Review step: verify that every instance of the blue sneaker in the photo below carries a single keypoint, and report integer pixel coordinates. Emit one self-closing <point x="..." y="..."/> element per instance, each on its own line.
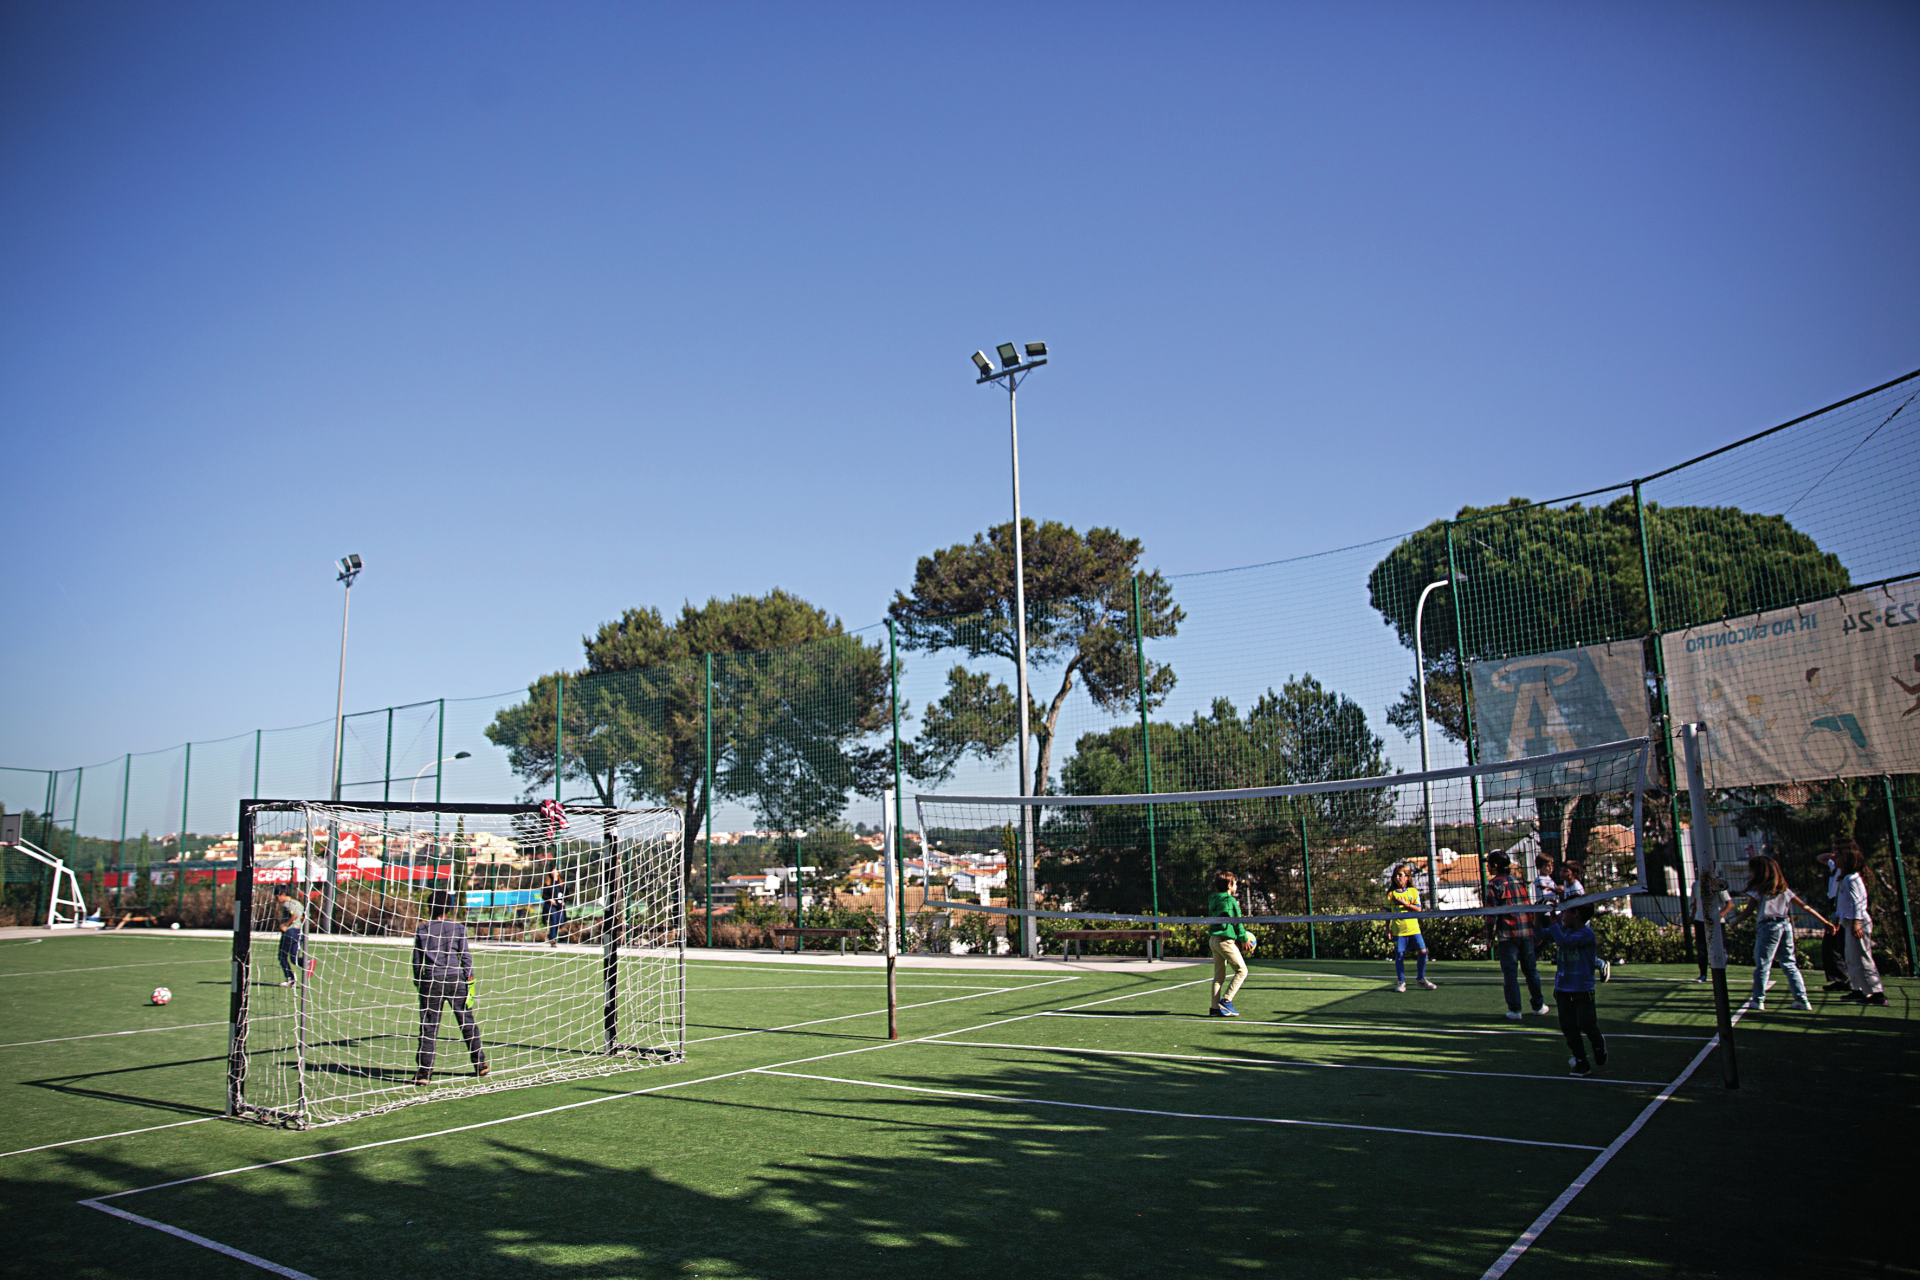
<point x="1227" y="1010"/>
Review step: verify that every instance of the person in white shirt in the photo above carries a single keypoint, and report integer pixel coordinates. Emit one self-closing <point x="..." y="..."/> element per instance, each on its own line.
<point x="1862" y="974"/>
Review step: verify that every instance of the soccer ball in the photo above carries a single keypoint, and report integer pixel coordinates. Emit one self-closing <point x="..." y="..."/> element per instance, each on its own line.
<point x="161" y="995"/>
<point x="174" y="925"/>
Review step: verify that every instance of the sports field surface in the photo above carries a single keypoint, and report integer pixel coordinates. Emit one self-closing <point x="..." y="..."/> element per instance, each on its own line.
<point x="1034" y="1120"/>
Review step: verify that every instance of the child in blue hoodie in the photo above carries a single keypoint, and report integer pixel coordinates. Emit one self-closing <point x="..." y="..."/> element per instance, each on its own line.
<point x="1577" y="959"/>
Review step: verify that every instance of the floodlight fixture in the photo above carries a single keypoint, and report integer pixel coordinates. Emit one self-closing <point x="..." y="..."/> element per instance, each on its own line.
<point x="349" y="567"/>
<point x="1009" y="355"/>
<point x="981" y="362"/>
<point x="1036" y="349"/>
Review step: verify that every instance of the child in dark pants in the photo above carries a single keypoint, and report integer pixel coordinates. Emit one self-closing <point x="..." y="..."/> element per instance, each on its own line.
<point x="1576" y="959"/>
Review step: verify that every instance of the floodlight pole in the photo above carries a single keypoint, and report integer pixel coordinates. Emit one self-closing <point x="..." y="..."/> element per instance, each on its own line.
<point x="347" y="574"/>
<point x="1014" y="374"/>
<point x="1426" y="788"/>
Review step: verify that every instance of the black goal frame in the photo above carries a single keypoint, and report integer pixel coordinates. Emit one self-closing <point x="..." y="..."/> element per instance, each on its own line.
<point x="241" y="959"/>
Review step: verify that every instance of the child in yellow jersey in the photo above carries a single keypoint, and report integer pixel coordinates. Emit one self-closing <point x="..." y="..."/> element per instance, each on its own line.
<point x="1406" y="933"/>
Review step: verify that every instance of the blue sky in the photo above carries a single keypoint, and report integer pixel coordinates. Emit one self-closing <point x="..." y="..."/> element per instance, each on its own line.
<point x="548" y="311"/>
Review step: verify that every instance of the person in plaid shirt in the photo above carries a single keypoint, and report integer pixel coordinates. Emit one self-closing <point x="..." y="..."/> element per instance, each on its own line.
<point x="1513" y="936"/>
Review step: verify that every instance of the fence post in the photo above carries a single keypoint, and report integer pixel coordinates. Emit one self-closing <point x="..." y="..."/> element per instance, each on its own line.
<point x="256" y="766"/>
<point x="1665" y="718"/>
<point x="1899" y="869"/>
<point x="439" y="749"/>
<point x="559" y="733"/>
<point x="1146" y="746"/>
<point x="709" y="813"/>
<point x="1457" y="599"/>
<point x="180" y="874"/>
<point x="1306" y="865"/>
<point x="120" y="849"/>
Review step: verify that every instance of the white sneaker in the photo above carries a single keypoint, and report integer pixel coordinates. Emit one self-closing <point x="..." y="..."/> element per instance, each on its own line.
<point x="1428" y="985"/>
<point x="1401" y="987"/>
<point x="1755" y="1006"/>
<point x="1543" y="1009"/>
<point x="1606" y="971"/>
<point x="1513" y="1015"/>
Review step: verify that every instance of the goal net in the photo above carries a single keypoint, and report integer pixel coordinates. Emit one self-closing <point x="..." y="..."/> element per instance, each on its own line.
<point x="1307" y="853"/>
<point x="389" y="954"/>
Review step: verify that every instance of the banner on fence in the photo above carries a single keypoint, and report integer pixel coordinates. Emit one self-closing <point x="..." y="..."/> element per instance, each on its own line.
<point x="1560" y="701"/>
<point x="1828" y="690"/>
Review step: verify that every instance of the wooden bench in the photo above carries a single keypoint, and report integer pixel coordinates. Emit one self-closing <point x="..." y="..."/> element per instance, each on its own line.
<point x="121" y="922"/>
<point x="799" y="936"/>
<point x="1154" y="938"/>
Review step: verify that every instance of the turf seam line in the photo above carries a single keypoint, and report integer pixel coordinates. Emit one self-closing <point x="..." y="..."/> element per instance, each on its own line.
<point x="202" y="1241"/>
<point x="1375" y="1026"/>
<point x="1178" y="1115"/>
<point x="1301" y="1062"/>
<point x="1579" y="1184"/>
<point x="95" y="1035"/>
<point x="102" y="1137"/>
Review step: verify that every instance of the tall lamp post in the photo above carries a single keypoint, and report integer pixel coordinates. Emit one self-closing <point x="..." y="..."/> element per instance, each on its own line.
<point x="1426" y="788"/>
<point x="349" y="570"/>
<point x="458" y="755"/>
<point x="1012" y="372"/>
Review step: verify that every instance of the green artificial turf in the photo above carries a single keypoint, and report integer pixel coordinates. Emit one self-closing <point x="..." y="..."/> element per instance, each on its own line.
<point x="1088" y="1127"/>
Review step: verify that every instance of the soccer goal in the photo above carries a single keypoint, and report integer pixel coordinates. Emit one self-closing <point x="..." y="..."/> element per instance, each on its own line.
<point x="349" y="999"/>
<point x="1311" y="853"/>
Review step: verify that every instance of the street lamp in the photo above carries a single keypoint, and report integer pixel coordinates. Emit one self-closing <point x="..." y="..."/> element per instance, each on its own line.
<point x="349" y="570"/>
<point x="1426" y="788"/>
<point x="458" y="755"/>
<point x="1013" y="371"/>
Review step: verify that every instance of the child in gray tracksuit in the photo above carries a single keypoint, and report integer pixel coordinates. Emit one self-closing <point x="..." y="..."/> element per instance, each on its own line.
<point x="443" y="971"/>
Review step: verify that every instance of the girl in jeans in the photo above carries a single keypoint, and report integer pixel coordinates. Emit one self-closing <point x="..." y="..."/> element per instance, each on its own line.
<point x="1771" y="903"/>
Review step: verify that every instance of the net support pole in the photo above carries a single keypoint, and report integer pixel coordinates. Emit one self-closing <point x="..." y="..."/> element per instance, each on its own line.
<point x="1665" y="717"/>
<point x="895" y="845"/>
<point x="1306" y="869"/>
<point x="559" y="733"/>
<point x="1146" y="745"/>
<point x="1899" y="868"/>
<point x="709" y="805"/>
<point x="1708" y="896"/>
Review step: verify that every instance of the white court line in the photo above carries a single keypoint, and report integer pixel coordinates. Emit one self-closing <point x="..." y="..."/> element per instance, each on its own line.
<point x="868" y="1013"/>
<point x="96" y="1035"/>
<point x="102" y="1137"/>
<point x="998" y="974"/>
<point x="96" y="1202"/>
<point x="1302" y="1062"/>
<point x="1178" y="1115"/>
<point x="1382" y="1027"/>
<point x="144" y="964"/>
<point x="202" y="1241"/>
<point x="849" y="987"/>
<point x="1579" y="1184"/>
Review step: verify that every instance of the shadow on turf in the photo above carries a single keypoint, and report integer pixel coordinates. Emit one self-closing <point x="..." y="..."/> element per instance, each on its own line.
<point x="73" y="1086"/>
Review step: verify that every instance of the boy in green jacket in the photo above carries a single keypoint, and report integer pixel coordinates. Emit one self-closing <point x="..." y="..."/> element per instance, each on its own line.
<point x="1226" y="940"/>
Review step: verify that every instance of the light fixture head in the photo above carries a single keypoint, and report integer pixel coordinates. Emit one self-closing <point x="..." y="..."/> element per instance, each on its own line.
<point x="1009" y="355"/>
<point x="1035" y="350"/>
<point x="461" y="755"/>
<point x="982" y="363"/>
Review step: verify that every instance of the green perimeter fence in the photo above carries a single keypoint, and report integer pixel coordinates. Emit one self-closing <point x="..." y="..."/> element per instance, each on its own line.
<point x="1761" y="588"/>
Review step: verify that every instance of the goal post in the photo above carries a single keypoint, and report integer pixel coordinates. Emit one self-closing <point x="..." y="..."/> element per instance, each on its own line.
<point x="1315" y="852"/>
<point x="346" y="999"/>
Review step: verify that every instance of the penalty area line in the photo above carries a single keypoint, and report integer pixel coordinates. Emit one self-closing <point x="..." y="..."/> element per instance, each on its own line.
<point x="97" y="1035"/>
<point x="102" y="1137"/>
<point x="1514" y="1251"/>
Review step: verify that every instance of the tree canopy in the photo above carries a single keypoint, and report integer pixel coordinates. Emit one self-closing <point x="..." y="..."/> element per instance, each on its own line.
<point x="796" y="703"/>
<point x="1079" y="621"/>
<point x="1303" y="733"/>
<point x="1540" y="578"/>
